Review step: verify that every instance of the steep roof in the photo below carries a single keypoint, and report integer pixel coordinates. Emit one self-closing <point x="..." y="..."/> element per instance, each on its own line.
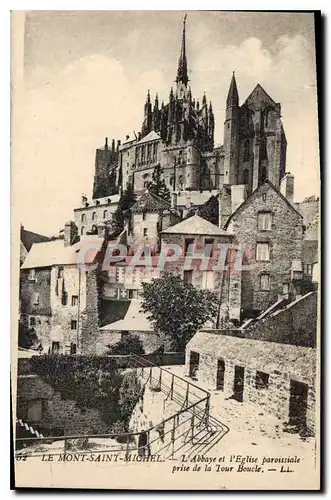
<point x="259" y="94"/>
<point x="233" y="96"/>
<point x="196" y="225"/>
<point x="150" y="202"/>
<point x="152" y="136"/>
<point x="134" y="320"/>
<point x="54" y="252"/>
<point x="252" y="196"/>
<point x="28" y="238"/>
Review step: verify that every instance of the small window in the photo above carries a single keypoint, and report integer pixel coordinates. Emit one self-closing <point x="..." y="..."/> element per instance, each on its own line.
<point x="93" y="215"/>
<point x="60" y="272"/>
<point x="74" y="300"/>
<point x="286" y="288"/>
<point x="262" y="252"/>
<point x="83" y="218"/>
<point x="131" y="294"/>
<point x="82" y="231"/>
<point x="188" y="250"/>
<point x="264" y="197"/>
<point x="309" y="269"/>
<point x="262" y="380"/>
<point x="73" y="324"/>
<point x="145" y="231"/>
<point x="32" y="275"/>
<point x="144" y="215"/>
<point x="265" y="282"/>
<point x="105" y="214"/>
<point x="207" y="280"/>
<point x="32" y="321"/>
<point x="36" y="299"/>
<point x="73" y="348"/>
<point x="187" y="277"/>
<point x="264" y="221"/>
<point x="209" y="244"/>
<point x="55" y="347"/>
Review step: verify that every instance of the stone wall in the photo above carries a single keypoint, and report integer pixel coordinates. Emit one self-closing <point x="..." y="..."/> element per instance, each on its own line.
<point x="31" y="287"/>
<point x="276" y="397"/>
<point x="62" y="417"/>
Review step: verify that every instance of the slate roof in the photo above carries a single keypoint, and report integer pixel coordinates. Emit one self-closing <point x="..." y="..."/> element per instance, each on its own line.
<point x="296" y="360"/>
<point x="149" y="202"/>
<point x="28" y="238"/>
<point x="134" y="320"/>
<point x="54" y="252"/>
<point x="196" y="225"/>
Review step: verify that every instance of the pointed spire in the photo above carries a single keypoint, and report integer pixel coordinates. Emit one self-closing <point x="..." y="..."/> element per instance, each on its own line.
<point x="171" y="95"/>
<point x="198" y="105"/>
<point x="148" y="97"/>
<point x="182" y="62"/>
<point x="156" y="103"/>
<point x="204" y="99"/>
<point x="210" y="107"/>
<point x="233" y="97"/>
<point x="106" y="143"/>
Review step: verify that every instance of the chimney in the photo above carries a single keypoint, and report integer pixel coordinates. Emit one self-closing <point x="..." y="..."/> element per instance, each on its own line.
<point x="118" y="145"/>
<point x="287" y="187"/>
<point x="113" y="145"/>
<point x="70" y="233"/>
<point x="84" y="199"/>
<point x="238" y="196"/>
<point x="106" y="143"/>
<point x="173" y="200"/>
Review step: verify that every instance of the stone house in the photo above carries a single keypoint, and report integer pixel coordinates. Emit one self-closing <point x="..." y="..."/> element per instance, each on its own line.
<point x="94" y="212"/>
<point x="204" y="261"/>
<point x="59" y="298"/>
<point x="270" y="232"/>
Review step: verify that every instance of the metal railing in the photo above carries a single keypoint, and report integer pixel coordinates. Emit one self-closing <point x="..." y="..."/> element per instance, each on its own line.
<point x="167" y="437"/>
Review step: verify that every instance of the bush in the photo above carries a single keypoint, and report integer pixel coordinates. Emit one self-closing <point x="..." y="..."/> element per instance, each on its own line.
<point x="130" y="343"/>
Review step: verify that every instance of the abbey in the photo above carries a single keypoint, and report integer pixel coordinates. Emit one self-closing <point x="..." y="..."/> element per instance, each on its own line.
<point x="179" y="137"/>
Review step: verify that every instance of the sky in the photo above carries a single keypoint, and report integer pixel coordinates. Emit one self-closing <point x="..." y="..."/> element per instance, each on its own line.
<point x="84" y="75"/>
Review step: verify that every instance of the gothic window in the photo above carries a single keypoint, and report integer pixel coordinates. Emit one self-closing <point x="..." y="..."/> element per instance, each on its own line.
<point x="263" y="174"/>
<point x="143" y="154"/>
<point x="155" y="152"/>
<point x="246" y="150"/>
<point x="82" y="230"/>
<point x="181" y="182"/>
<point x="149" y="151"/>
<point x="83" y="217"/>
<point x="267" y="118"/>
<point x="245" y="176"/>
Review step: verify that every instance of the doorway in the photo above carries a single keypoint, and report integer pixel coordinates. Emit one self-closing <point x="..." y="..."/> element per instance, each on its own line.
<point x="194" y="364"/>
<point x="298" y="403"/>
<point x="238" y="385"/>
<point x="220" y="375"/>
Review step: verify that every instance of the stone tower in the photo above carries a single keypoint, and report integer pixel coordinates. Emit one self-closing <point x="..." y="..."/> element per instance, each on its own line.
<point x="231" y="134"/>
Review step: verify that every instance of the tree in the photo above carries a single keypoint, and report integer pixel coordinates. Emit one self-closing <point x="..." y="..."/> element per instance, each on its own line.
<point x="127" y="198"/>
<point x="176" y="309"/>
<point x="157" y="185"/>
<point x="129" y="343"/>
<point x="117" y="222"/>
<point x="209" y="210"/>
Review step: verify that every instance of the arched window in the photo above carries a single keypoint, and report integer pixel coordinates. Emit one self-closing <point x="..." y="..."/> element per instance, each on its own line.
<point x="82" y="230"/>
<point x="245" y="176"/>
<point x="105" y="213"/>
<point x="263" y="174"/>
<point x="181" y="182"/>
<point x="83" y="217"/>
<point x="246" y="150"/>
<point x="93" y="215"/>
<point x="172" y="182"/>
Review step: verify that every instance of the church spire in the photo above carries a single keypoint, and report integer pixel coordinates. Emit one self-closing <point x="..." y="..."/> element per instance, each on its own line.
<point x="182" y="76"/>
<point x="233" y="97"/>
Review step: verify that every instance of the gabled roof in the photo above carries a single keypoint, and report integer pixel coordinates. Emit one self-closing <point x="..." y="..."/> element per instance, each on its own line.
<point x="50" y="253"/>
<point x="134" y="320"/>
<point x="257" y="93"/>
<point x="196" y="225"/>
<point x="150" y="202"/>
<point x="252" y="195"/>
<point x="28" y="238"/>
<point x="152" y="136"/>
